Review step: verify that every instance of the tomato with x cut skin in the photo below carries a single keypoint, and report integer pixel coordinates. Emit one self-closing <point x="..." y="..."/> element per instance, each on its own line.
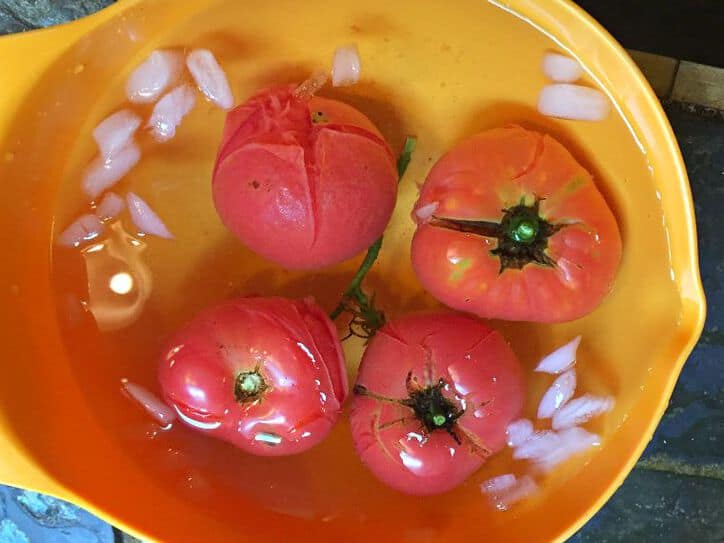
<point x="434" y="395"/>
<point x="511" y="226"/>
<point x="306" y="182"/>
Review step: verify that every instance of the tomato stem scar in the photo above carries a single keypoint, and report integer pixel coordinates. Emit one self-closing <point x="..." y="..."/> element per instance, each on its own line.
<point x="249" y="386"/>
<point x="524" y="229"/>
<point x="438" y="420"/>
<point x="522" y="235"/>
<point x="366" y="318"/>
<point x="428" y="404"/>
<point x="318" y="117"/>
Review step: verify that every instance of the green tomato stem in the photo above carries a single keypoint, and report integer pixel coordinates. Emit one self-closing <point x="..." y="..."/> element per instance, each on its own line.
<point x="438" y="420"/>
<point x="524" y="230"/>
<point x="354" y="291"/>
<point x="405" y="156"/>
<point x="249" y="386"/>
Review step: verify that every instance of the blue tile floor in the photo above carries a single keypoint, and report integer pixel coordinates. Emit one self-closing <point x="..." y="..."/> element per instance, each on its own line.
<point x="29" y="517"/>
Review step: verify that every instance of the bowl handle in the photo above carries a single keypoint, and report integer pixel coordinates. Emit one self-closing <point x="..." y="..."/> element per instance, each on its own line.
<point x="26" y="55"/>
<point x="18" y="469"/>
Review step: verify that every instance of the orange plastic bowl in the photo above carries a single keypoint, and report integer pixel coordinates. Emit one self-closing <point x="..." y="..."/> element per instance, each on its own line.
<point x="437" y="69"/>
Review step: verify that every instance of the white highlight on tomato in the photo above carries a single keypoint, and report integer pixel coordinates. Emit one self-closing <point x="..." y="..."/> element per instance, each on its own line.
<point x="85" y="228"/>
<point x="561" y="359"/>
<point x="410" y="462"/>
<point x="153" y="405"/>
<point x="268" y="438"/>
<point x="210" y="77"/>
<point x="561" y="68"/>
<point x="573" y="102"/>
<point x="103" y="173"/>
<point x="581" y="410"/>
<point x="425" y="213"/>
<point x="151" y="78"/>
<point x="145" y="218"/>
<point x="518" y="431"/>
<point x="346" y="66"/>
<point x="306" y="350"/>
<point x="558" y="394"/>
<point x="110" y="206"/>
<point x="201" y="425"/>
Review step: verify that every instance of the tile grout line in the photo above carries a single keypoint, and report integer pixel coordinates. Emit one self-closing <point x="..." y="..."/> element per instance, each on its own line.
<point x="673" y="80"/>
<point x="663" y="464"/>
<point x="682" y="81"/>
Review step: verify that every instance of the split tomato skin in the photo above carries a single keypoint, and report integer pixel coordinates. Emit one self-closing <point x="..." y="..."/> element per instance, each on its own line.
<point x="482" y="178"/>
<point x="265" y="374"/>
<point x="306" y="183"/>
<point x="481" y="384"/>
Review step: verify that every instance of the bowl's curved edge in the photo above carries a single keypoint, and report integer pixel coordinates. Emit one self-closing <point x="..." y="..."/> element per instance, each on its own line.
<point x="34" y="51"/>
<point x="694" y="313"/>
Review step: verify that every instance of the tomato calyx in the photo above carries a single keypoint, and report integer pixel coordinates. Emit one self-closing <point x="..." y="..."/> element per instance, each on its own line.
<point x="522" y="235"/>
<point x="428" y="404"/>
<point x="432" y="408"/>
<point x="249" y="386"/>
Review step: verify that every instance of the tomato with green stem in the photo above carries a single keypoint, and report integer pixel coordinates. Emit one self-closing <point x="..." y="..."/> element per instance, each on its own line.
<point x="511" y="226"/>
<point x="434" y="395"/>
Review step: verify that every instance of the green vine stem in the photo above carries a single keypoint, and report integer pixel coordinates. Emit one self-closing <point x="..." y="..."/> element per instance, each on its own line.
<point x="366" y="318"/>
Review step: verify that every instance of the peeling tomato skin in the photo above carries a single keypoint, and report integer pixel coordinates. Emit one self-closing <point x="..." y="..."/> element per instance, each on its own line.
<point x="303" y="194"/>
<point x="481" y="178"/>
<point x="482" y="376"/>
<point x="291" y="344"/>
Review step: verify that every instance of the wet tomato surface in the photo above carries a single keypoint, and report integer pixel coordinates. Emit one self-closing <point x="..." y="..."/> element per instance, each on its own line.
<point x="304" y="182"/>
<point x="511" y="226"/>
<point x="266" y="374"/>
<point x="433" y="397"/>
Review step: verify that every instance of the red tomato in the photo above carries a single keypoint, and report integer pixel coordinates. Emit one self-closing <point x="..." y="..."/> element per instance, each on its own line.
<point x="266" y="374"/>
<point x="520" y="231"/>
<point x="434" y="395"/>
<point x="305" y="183"/>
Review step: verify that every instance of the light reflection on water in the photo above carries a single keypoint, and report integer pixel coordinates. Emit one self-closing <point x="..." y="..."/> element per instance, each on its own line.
<point x="119" y="281"/>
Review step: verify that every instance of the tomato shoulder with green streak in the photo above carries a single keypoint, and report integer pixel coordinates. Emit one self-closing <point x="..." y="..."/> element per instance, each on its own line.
<point x="520" y="232"/>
